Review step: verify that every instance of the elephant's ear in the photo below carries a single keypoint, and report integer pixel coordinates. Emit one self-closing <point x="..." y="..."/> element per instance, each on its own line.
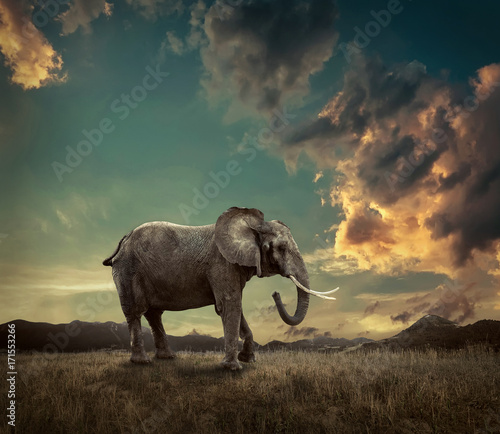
<point x="237" y="238"/>
<point x="280" y="222"/>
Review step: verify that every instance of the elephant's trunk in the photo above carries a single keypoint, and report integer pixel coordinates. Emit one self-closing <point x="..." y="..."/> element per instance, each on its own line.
<point x="302" y="299"/>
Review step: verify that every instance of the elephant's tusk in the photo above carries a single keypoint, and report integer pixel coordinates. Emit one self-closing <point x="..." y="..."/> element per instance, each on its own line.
<point x="317" y="294"/>
<point x="326" y="292"/>
<point x="310" y="290"/>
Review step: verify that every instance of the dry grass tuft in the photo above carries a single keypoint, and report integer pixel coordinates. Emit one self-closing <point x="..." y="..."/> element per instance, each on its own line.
<point x="284" y="392"/>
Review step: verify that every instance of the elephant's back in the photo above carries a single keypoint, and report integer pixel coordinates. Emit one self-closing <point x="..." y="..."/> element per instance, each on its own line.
<point x="171" y="235"/>
<point x="157" y="246"/>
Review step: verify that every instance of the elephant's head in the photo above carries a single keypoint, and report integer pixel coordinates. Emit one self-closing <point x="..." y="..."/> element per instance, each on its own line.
<point x="243" y="237"/>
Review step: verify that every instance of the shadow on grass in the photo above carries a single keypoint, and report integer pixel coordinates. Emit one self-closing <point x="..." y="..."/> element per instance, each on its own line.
<point x="215" y="371"/>
<point x="186" y="366"/>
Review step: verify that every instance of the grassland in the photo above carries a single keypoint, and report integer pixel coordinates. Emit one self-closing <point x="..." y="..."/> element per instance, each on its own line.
<point x="409" y="392"/>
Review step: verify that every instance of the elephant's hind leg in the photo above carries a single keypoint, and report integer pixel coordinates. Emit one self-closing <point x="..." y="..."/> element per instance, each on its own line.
<point x="133" y="310"/>
<point x="246" y="354"/>
<point x="161" y="342"/>
<point x="136" y="340"/>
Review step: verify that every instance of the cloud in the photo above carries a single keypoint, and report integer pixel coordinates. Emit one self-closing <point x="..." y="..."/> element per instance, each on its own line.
<point x="54" y="281"/>
<point x="327" y="260"/>
<point x="81" y="13"/>
<point x="76" y="210"/>
<point x="30" y="56"/>
<point x="262" y="54"/>
<point x="455" y="299"/>
<point x="171" y="43"/>
<point x="402" y="317"/>
<point x="318" y="176"/>
<point x="175" y="44"/>
<point x="304" y="332"/>
<point x="152" y="9"/>
<point x="418" y="169"/>
<point x="371" y="308"/>
<point x="268" y="310"/>
<point x="194" y="40"/>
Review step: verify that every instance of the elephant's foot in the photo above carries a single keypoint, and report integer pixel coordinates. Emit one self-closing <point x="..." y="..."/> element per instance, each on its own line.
<point x="246" y="357"/>
<point x="163" y="353"/>
<point x="233" y="365"/>
<point x="140" y="358"/>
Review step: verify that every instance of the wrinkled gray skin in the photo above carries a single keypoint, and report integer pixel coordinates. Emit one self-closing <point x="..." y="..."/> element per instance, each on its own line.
<point x="163" y="266"/>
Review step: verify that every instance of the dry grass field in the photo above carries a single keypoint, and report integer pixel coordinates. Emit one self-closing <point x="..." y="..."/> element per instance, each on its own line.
<point x="284" y="392"/>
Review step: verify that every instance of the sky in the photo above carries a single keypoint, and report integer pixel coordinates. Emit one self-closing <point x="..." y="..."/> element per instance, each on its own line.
<point x="370" y="128"/>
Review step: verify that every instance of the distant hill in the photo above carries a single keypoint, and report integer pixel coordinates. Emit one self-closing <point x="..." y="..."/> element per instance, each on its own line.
<point x="321" y="343"/>
<point x="85" y="336"/>
<point x="432" y="331"/>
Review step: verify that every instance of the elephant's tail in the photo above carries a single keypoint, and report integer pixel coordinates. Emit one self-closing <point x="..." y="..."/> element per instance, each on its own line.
<point x="109" y="261"/>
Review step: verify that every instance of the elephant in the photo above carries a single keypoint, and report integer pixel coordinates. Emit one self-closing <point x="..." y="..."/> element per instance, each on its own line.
<point x="162" y="266"/>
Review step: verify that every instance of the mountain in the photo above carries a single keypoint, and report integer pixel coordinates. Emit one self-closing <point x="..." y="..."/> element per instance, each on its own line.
<point x="85" y="336"/>
<point x="432" y="331"/>
<point x="429" y="322"/>
<point x="320" y="343"/>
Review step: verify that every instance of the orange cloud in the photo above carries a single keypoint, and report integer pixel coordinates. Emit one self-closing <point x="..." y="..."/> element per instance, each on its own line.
<point x="387" y="239"/>
<point x="32" y="59"/>
<point x="419" y="171"/>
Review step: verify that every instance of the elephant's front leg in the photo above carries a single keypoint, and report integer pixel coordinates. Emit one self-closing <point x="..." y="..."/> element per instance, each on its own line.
<point x="246" y="354"/>
<point x="230" y="312"/>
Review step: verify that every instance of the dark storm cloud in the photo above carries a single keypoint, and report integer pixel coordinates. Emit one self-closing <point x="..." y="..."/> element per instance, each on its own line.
<point x="370" y="93"/>
<point x="268" y="310"/>
<point x="440" y="225"/>
<point x="374" y="97"/>
<point x="402" y="317"/>
<point x="458" y="177"/>
<point x="265" y="51"/>
<point x="475" y="223"/>
<point x="371" y="308"/>
<point x="152" y="9"/>
<point x="304" y="332"/>
<point x="320" y="128"/>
